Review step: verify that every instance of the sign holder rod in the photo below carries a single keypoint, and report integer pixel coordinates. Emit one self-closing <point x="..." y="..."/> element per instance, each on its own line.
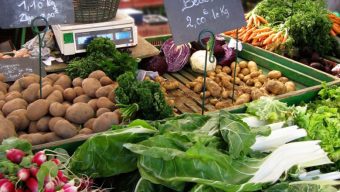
<point x="41" y="36"/>
<point x="235" y="67"/>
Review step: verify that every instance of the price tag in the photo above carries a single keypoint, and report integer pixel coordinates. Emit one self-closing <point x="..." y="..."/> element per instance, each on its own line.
<point x="20" y="13"/>
<point x="188" y="18"/>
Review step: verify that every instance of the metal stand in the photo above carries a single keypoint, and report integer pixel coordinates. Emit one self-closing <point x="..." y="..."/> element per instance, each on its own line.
<point x="234" y="78"/>
<point x="36" y="31"/>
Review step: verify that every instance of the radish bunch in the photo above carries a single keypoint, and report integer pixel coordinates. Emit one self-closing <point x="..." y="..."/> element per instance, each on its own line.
<point x="27" y="171"/>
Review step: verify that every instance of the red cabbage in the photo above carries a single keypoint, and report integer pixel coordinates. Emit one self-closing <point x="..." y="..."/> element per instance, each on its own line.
<point x="218" y="49"/>
<point x="176" y="56"/>
<point x="229" y="56"/>
<point x="156" y="63"/>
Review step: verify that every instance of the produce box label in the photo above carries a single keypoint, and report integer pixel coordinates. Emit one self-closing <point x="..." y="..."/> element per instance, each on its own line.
<point x="20" y="13"/>
<point x="189" y="17"/>
<point x="15" y="68"/>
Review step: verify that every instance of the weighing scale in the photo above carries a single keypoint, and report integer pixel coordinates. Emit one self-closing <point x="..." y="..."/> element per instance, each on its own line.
<point x="73" y="38"/>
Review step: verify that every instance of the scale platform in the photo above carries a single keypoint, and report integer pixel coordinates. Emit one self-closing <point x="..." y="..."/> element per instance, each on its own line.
<point x="73" y="38"/>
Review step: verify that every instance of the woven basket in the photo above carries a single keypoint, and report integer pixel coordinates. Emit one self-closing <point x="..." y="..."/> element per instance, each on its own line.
<point x="93" y="11"/>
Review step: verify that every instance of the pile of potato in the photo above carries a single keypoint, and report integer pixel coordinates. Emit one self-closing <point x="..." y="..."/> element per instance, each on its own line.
<point x="66" y="109"/>
<point x="15" y="54"/>
<point x="250" y="84"/>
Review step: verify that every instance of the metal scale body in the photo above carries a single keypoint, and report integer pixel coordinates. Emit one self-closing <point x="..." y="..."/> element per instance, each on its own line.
<point x="73" y="38"/>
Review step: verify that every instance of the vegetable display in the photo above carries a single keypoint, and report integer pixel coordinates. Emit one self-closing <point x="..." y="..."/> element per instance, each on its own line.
<point x="176" y="56"/>
<point x="102" y="55"/>
<point x="67" y="108"/>
<point x="322" y="121"/>
<point x="21" y="170"/>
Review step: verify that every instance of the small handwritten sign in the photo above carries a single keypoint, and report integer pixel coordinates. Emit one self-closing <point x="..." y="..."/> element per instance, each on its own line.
<point x="189" y="17"/>
<point x="15" y="68"/>
<point x="20" y="13"/>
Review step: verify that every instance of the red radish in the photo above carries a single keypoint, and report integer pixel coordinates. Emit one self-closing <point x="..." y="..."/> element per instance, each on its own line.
<point x="15" y="155"/>
<point x="19" y="190"/>
<point x="34" y="171"/>
<point x="7" y="187"/>
<point x="39" y="158"/>
<point x="56" y="161"/>
<point x="32" y="184"/>
<point x="3" y="181"/>
<point x="85" y="184"/>
<point x="27" y="190"/>
<point x="70" y="189"/>
<point x="69" y="184"/>
<point x="49" y="187"/>
<point x="23" y="174"/>
<point x="62" y="177"/>
<point x="1" y="175"/>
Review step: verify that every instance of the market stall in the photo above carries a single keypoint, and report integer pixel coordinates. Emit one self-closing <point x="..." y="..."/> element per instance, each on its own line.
<point x="196" y="110"/>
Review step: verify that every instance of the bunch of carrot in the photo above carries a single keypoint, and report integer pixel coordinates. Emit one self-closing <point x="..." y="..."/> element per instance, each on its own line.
<point x="257" y="34"/>
<point x="336" y="24"/>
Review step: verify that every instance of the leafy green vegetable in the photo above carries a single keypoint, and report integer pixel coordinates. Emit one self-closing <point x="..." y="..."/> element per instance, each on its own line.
<point x="300" y="187"/>
<point x="306" y="20"/>
<point x="102" y="55"/>
<point x="16" y="143"/>
<point x="103" y="155"/>
<point x="47" y="169"/>
<point x="146" y="186"/>
<point x="146" y="95"/>
<point x="269" y="109"/>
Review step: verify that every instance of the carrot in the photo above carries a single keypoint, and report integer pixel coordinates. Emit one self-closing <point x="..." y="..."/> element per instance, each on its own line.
<point x="262" y="20"/>
<point x="332" y="33"/>
<point x="277" y="36"/>
<point x="269" y="39"/>
<point x="257" y="21"/>
<point x="264" y="34"/>
<point x="250" y="21"/>
<point x="285" y="37"/>
<point x="230" y="32"/>
<point x="336" y="28"/>
<point x="265" y="29"/>
<point x="248" y="34"/>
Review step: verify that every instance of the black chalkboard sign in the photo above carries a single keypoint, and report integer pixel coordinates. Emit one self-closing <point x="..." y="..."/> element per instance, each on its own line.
<point x="189" y="17"/>
<point x="20" y="13"/>
<point x="15" y="68"/>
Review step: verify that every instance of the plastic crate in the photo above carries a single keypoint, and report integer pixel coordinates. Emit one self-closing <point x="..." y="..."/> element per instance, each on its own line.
<point x="93" y="11"/>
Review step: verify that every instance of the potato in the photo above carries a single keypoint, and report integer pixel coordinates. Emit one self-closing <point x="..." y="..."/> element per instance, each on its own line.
<point x="34" y="138"/>
<point x="33" y="128"/>
<point x="42" y="124"/>
<point x="207" y="94"/>
<point x="57" y="109"/>
<point x="252" y="66"/>
<point x="104" y="91"/>
<point x="3" y="95"/>
<point x="283" y="79"/>
<point x="101" y="111"/>
<point x="65" y="129"/>
<point x="28" y="80"/>
<point x="257" y="93"/>
<point x="69" y="94"/>
<point x="47" y="81"/>
<point x="211" y="74"/>
<point x="12" y="95"/>
<point x="225" y="94"/>
<point x="89" y="123"/>
<point x="67" y="104"/>
<point x="255" y="74"/>
<point x="19" y="119"/>
<point x="93" y="104"/>
<point x="46" y="91"/>
<point x="243" y="64"/>
<point x="223" y="104"/>
<point x="55" y="96"/>
<point x="13" y="105"/>
<point x="104" y="81"/>
<point x="53" y="77"/>
<point x="104" y="102"/>
<point x="276" y="87"/>
<point x="82" y="99"/>
<point x="258" y="84"/>
<point x="2" y="77"/>
<point x="2" y="103"/>
<point x="97" y="74"/>
<point x="14" y="87"/>
<point x="90" y="86"/>
<point x="246" y="78"/>
<point x="86" y="131"/>
<point x="226" y="70"/>
<point x="213" y="101"/>
<point x="30" y="94"/>
<point x="52" y="137"/>
<point x="250" y="82"/>
<point x="274" y="74"/>
<point x="238" y="69"/>
<point x="262" y="78"/>
<point x="37" y="109"/>
<point x="112" y="97"/>
<point x="4" y="87"/>
<point x="77" y="82"/>
<point x="79" y="113"/>
<point x="105" y="121"/>
<point x="7" y="129"/>
<point x="53" y="121"/>
<point x="58" y="87"/>
<point x="198" y="87"/>
<point x="64" y="81"/>
<point x="244" y="98"/>
<point x="290" y="86"/>
<point x="213" y="88"/>
<point x="79" y="91"/>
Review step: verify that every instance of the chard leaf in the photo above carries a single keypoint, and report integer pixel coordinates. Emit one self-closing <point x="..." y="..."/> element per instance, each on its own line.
<point x="236" y="133"/>
<point x="104" y="155"/>
<point x="146" y="186"/>
<point x="204" y="188"/>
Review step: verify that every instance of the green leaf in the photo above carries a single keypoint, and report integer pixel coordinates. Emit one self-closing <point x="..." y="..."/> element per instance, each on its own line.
<point x="103" y="155"/>
<point x="204" y="188"/>
<point x="47" y="169"/>
<point x="26" y="162"/>
<point x="236" y="133"/>
<point x="62" y="155"/>
<point x="146" y="186"/>
<point x="14" y="143"/>
<point x="8" y="168"/>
